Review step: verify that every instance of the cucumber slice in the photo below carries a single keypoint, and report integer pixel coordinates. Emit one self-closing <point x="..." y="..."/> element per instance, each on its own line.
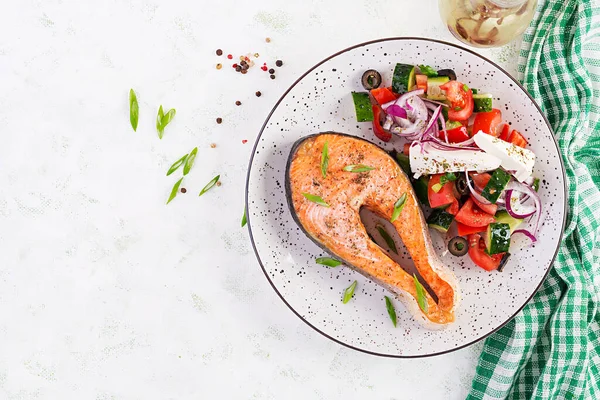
<point x="496" y="185"/>
<point x="453" y="124"/>
<point x="505" y="218"/>
<point x="482" y="102"/>
<point x="362" y="105"/>
<point x="497" y="238"/>
<point x="421" y="186"/>
<point x="404" y="78"/>
<point x="433" y="87"/>
<point x="440" y="220"/>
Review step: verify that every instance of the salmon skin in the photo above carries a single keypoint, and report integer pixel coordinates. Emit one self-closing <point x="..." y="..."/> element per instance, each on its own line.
<point x="339" y="230"/>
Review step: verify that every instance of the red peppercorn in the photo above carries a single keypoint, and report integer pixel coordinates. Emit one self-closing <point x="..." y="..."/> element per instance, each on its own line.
<point x="244" y="141"/>
<point x="229" y="56"/>
<point x="264" y="68"/>
<point x="234" y="65"/>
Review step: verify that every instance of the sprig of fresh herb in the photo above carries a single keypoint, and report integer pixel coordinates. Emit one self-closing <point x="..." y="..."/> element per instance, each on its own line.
<point x="398" y="207"/>
<point x="388" y="239"/>
<point x="328" y="261"/>
<point x="174" y="190"/>
<point x="447" y="177"/>
<point x="189" y="162"/>
<point x="244" y="219"/>
<point x="315" y="199"/>
<point x="390" y="309"/>
<point x="162" y="120"/>
<point x="349" y="292"/>
<point x="536" y="184"/>
<point x="176" y="165"/>
<point x="358" y="168"/>
<point x="421" y="295"/>
<point x="134" y="110"/>
<point x="324" y="160"/>
<point x="427" y="70"/>
<point x="209" y="185"/>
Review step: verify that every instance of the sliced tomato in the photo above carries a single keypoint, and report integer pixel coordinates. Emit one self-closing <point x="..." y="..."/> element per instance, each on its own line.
<point x="453" y="208"/>
<point x="488" y="122"/>
<point x="383" y="95"/>
<point x="472" y="215"/>
<point x="488" y="208"/>
<point x="442" y="198"/>
<point x="464" y="230"/>
<point x="406" y="149"/>
<point x="517" y="139"/>
<point x="455" y="135"/>
<point x="505" y="135"/>
<point x="461" y="100"/>
<point x="480" y="180"/>
<point x="377" y="128"/>
<point x="479" y="256"/>
<point x="421" y="81"/>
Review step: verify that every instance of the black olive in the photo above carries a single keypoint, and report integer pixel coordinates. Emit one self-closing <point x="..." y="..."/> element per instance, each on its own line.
<point x="461" y="185"/>
<point x="458" y="246"/>
<point x="447" y="72"/>
<point x="503" y="261"/>
<point x="371" y="79"/>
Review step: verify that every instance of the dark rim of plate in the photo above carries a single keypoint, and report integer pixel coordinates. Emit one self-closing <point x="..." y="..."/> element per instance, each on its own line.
<point x="248" y="214"/>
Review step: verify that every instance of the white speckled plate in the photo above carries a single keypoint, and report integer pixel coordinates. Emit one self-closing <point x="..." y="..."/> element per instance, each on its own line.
<point x="320" y="101"/>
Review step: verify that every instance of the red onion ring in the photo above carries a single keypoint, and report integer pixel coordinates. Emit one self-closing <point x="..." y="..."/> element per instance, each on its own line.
<point x="396" y="111"/>
<point x="475" y="194"/>
<point x="520" y="187"/>
<point x="509" y="209"/>
<point x="526" y="233"/>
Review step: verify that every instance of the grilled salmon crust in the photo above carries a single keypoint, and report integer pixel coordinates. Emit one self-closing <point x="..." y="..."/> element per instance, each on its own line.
<point x="339" y="230"/>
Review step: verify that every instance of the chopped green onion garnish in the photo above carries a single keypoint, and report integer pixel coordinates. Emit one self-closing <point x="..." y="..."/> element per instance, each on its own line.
<point x="315" y="199"/>
<point x="328" y="261"/>
<point x="536" y="184"/>
<point x="390" y="309"/>
<point x="176" y="165"/>
<point x="189" y="162"/>
<point x="349" y="292"/>
<point x="358" y="168"/>
<point x="209" y="185"/>
<point x="398" y="207"/>
<point x="134" y="109"/>
<point x="421" y="295"/>
<point x="174" y="190"/>
<point x="324" y="160"/>
<point x="388" y="239"/>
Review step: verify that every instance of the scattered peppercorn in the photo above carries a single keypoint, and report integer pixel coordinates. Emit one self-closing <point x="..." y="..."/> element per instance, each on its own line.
<point x="271" y="71"/>
<point x="219" y="183"/>
<point x="219" y="52"/>
<point x="213" y="145"/>
<point x="264" y="68"/>
<point x="238" y="103"/>
<point x="244" y="71"/>
<point x="258" y="93"/>
<point x="238" y="68"/>
<point x="229" y="56"/>
<point x="219" y="120"/>
<point x="219" y="66"/>
<point x="244" y="141"/>
<point x="234" y="65"/>
<point x="183" y="190"/>
<point x="279" y="63"/>
<point x="256" y="55"/>
<point x="268" y="40"/>
<point x="272" y="76"/>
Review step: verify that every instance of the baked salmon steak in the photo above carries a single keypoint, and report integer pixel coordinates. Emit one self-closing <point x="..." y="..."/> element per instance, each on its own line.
<point x="325" y="198"/>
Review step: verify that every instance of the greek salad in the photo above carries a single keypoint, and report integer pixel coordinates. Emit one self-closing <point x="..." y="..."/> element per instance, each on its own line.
<point x="466" y="165"/>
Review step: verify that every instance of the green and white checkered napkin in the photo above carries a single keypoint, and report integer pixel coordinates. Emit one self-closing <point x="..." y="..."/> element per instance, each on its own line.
<point x="551" y="349"/>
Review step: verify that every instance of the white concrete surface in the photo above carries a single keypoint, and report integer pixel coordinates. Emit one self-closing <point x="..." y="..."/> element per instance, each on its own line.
<point x="105" y="292"/>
